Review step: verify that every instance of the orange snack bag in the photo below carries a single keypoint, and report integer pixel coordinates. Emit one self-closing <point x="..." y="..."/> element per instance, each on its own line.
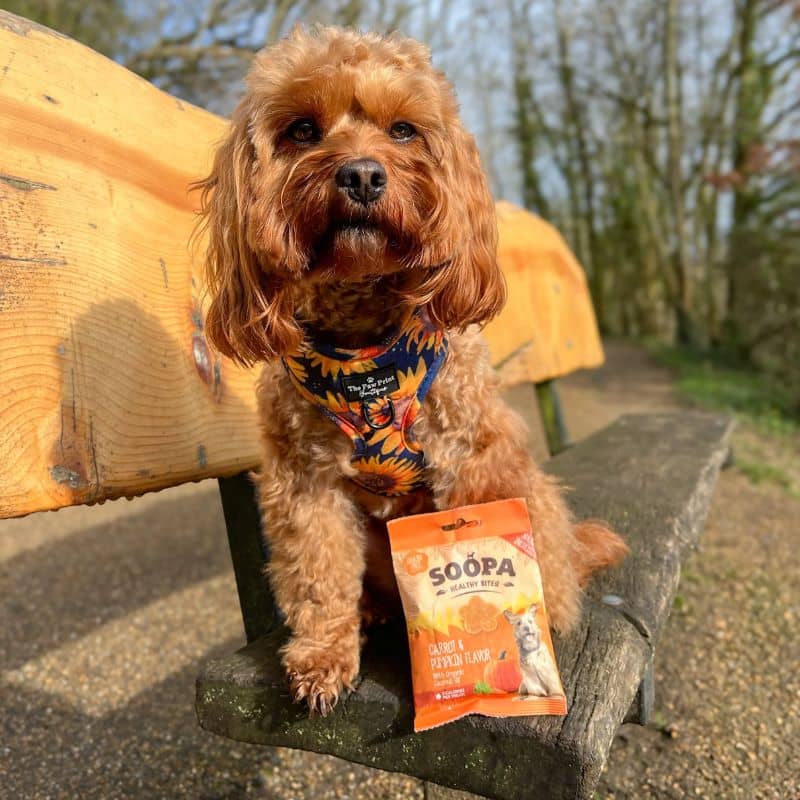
<point x="477" y="626"/>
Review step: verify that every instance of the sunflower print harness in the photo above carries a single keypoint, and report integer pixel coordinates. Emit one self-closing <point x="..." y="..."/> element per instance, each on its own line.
<point x="374" y="395"/>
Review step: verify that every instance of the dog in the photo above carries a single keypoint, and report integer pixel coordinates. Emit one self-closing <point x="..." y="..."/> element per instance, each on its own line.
<point x="352" y="249"/>
<point x="539" y="673"/>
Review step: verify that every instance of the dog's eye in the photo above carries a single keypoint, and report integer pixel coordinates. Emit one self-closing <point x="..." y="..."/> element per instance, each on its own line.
<point x="303" y="131"/>
<point x="402" y="131"/>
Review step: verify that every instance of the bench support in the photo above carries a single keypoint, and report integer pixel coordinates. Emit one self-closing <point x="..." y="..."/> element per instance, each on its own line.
<point x="552" y="417"/>
<point x="249" y="554"/>
<point x="642" y="706"/>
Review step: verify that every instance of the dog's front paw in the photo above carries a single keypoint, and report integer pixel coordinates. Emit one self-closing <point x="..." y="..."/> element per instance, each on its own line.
<point x="319" y="676"/>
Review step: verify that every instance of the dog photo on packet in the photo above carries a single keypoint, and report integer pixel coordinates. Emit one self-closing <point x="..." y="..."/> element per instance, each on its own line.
<point x="353" y="251"/>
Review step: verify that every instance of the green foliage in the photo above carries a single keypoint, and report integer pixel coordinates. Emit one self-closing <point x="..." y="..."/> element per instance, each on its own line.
<point x="659" y="721"/>
<point x="709" y="383"/>
<point x="680" y="604"/>
<point x="766" y="442"/>
<point x="762" y="472"/>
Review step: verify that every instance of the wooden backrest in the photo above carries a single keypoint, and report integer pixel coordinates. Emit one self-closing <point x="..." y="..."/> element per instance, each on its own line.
<point x="108" y="386"/>
<point x="547" y="328"/>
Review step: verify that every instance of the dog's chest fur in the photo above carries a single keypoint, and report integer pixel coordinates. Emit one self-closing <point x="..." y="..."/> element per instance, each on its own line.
<point x="353" y="314"/>
<point x="311" y="444"/>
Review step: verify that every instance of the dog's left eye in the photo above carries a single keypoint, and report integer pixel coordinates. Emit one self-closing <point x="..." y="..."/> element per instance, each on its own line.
<point x="402" y="131"/>
<point x="303" y="131"/>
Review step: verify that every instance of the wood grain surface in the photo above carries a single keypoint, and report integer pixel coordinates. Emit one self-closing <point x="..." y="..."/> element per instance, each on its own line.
<point x="548" y="326"/>
<point x="108" y="386"/>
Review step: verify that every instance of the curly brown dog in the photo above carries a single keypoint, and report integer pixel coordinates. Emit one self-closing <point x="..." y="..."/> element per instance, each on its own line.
<point x="347" y="211"/>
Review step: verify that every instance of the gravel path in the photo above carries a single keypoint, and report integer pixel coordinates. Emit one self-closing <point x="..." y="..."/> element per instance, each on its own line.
<point x="108" y="611"/>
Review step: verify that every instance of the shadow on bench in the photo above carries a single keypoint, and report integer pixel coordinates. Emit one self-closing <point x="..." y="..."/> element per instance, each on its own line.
<point x="652" y="478"/>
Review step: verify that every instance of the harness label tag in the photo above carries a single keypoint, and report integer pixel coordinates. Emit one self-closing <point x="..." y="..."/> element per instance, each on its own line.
<point x="370" y="385"/>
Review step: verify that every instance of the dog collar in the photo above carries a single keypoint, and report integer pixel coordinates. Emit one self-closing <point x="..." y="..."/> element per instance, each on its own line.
<point x="373" y="394"/>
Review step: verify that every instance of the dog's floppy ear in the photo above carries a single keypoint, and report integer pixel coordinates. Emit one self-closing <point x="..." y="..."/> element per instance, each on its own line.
<point x="470" y="287"/>
<point x="250" y="317"/>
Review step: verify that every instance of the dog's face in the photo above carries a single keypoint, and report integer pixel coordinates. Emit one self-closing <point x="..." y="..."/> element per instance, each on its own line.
<point x="526" y="630"/>
<point x="346" y="160"/>
<point x="350" y="137"/>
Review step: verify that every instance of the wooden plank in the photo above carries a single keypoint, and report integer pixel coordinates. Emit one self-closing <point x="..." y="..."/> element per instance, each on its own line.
<point x="552" y="416"/>
<point x="107" y="384"/>
<point x="522" y="398"/>
<point x="644" y="489"/>
<point x="249" y="554"/>
<point x="244" y="697"/>
<point x="661" y="471"/>
<point x="549" y="315"/>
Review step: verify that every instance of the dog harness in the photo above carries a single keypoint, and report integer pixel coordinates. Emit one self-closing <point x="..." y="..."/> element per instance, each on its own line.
<point x="374" y="395"/>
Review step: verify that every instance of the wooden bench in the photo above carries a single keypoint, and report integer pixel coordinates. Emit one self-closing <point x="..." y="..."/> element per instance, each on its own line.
<point x="109" y="389"/>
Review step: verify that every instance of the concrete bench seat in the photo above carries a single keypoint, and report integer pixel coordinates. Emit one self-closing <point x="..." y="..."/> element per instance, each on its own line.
<point x="651" y="477"/>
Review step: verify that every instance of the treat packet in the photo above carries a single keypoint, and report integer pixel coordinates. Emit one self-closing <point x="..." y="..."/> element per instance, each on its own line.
<point x="477" y="626"/>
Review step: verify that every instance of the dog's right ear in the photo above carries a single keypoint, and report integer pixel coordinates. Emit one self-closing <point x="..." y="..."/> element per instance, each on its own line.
<point x="512" y="618"/>
<point x="250" y="316"/>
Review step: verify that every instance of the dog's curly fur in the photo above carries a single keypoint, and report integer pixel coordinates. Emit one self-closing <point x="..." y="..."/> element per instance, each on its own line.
<point x="290" y="252"/>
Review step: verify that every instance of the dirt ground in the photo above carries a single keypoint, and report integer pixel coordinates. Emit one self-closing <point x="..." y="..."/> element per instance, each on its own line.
<point x="107" y="612"/>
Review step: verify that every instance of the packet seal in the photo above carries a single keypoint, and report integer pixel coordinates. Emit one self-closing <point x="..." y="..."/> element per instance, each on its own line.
<point x="425" y="530"/>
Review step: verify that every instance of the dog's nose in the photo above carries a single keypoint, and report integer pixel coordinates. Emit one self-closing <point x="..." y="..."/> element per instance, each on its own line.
<point x="363" y="180"/>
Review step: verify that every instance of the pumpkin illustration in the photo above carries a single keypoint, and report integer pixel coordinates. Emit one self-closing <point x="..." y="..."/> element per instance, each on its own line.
<point x="503" y="673"/>
<point x="477" y="615"/>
